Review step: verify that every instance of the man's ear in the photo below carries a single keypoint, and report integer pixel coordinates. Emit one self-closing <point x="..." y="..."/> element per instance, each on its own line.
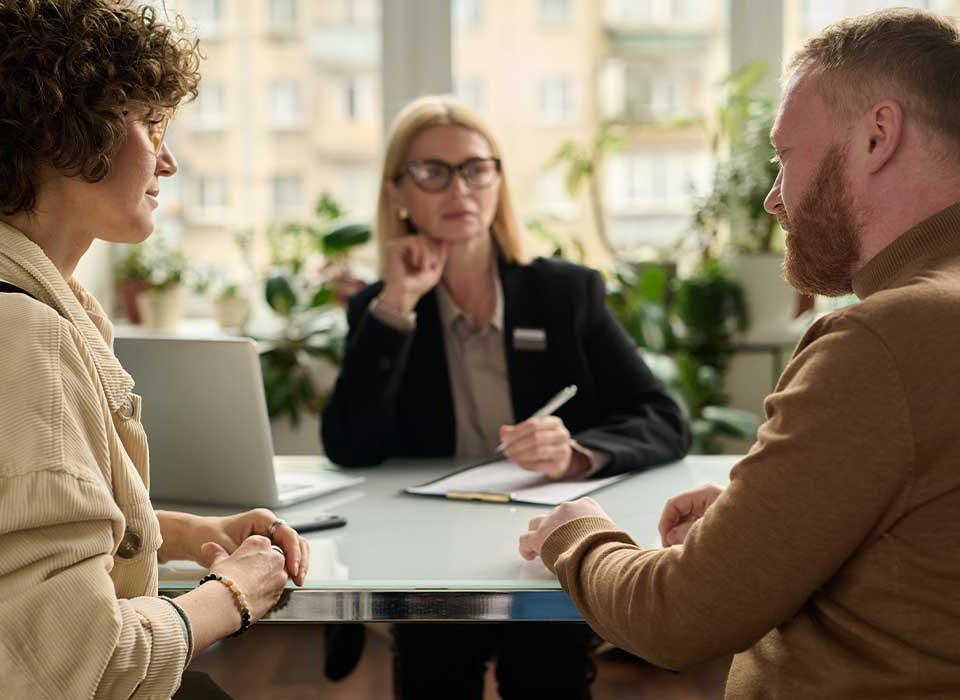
<point x="882" y="134"/>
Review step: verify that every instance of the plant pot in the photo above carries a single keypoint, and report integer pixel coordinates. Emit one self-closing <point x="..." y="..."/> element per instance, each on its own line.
<point x="161" y="309"/>
<point x="128" y="290"/>
<point x="231" y="312"/>
<point x="770" y="300"/>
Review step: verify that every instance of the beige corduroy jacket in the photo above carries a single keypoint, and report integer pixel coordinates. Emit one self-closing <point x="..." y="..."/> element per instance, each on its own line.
<point x="79" y="612"/>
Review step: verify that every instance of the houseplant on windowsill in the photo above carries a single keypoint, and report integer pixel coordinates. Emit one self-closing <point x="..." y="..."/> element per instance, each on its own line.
<point x="150" y="278"/>
<point x="307" y="287"/>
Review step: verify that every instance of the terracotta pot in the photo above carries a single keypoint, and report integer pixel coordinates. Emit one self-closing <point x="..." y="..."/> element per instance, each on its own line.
<point x="127" y="292"/>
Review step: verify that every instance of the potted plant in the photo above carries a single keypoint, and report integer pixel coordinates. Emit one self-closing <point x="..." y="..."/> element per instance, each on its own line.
<point x="151" y="279"/>
<point x="132" y="277"/>
<point x="735" y="203"/>
<point x="684" y="328"/>
<point x="307" y="287"/>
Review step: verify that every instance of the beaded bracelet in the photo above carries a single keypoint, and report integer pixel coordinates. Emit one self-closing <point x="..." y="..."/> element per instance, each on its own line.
<point x="238" y="596"/>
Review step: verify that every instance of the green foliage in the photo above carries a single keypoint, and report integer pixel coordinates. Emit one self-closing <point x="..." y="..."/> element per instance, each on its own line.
<point x="742" y="180"/>
<point x="685" y="328"/>
<point x="153" y="262"/>
<point x="308" y="283"/>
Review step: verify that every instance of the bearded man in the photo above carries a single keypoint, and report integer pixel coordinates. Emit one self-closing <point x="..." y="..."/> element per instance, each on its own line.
<point x="831" y="564"/>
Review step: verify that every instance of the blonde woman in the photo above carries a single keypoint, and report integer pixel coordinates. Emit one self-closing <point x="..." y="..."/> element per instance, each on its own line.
<point x="453" y="351"/>
<point x="88" y="89"/>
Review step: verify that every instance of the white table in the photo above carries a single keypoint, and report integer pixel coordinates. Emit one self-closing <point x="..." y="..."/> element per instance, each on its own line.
<point x="404" y="557"/>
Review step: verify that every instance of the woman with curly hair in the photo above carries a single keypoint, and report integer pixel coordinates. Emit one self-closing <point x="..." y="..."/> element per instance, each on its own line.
<point x="88" y="89"/>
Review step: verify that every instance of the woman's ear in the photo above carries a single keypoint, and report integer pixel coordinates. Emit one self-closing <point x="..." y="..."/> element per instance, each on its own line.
<point x="397" y="200"/>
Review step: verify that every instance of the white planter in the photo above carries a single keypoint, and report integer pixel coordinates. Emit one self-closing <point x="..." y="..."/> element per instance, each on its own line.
<point x="770" y="300"/>
<point x="231" y="312"/>
<point x="161" y="309"/>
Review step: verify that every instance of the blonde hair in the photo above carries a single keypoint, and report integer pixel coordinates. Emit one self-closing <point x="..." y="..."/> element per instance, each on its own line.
<point x="418" y="116"/>
<point x="909" y="55"/>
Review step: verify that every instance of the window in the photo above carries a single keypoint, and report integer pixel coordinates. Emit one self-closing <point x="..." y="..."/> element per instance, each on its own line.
<point x="662" y="13"/>
<point x="287" y="193"/>
<point x="551" y="195"/>
<point x="283" y="15"/>
<point x="467" y="14"/>
<point x="649" y="194"/>
<point x="555" y="95"/>
<point x="357" y="94"/>
<point x="470" y="90"/>
<point x="285" y="107"/>
<point x="209" y="110"/>
<point x="210" y="200"/>
<point x="208" y="18"/>
<point x="554" y="12"/>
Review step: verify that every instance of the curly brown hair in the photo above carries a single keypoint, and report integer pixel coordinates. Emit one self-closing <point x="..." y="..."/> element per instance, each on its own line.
<point x="70" y="70"/>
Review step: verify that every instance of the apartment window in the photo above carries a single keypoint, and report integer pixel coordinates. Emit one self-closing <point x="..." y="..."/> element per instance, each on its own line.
<point x="356" y="98"/>
<point x="283" y="15"/>
<point x="287" y="193"/>
<point x="656" y="180"/>
<point x="208" y="17"/>
<point x="286" y="111"/>
<point x="470" y="90"/>
<point x="209" y="110"/>
<point x="551" y="194"/>
<point x="655" y="12"/>
<point x="210" y="194"/>
<point x="555" y="95"/>
<point x="554" y="12"/>
<point x="467" y="14"/>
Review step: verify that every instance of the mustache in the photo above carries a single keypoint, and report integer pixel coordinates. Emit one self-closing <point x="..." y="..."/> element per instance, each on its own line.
<point x="783" y="220"/>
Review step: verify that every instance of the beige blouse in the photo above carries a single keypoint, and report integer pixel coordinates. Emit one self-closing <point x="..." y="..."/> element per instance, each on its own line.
<point x="79" y="612"/>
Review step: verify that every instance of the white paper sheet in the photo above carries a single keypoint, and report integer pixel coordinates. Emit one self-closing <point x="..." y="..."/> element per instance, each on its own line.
<point x="519" y="484"/>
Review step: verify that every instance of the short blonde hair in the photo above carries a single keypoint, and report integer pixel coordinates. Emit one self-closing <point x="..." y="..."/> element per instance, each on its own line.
<point x="909" y="55"/>
<point x="418" y="116"/>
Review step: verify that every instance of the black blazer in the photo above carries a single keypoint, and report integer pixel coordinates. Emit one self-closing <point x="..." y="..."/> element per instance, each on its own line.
<point x="393" y="396"/>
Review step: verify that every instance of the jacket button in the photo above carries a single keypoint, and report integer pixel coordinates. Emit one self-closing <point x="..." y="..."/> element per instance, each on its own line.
<point x="126" y="408"/>
<point x="130" y="544"/>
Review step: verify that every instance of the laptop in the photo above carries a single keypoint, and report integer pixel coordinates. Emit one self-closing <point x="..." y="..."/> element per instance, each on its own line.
<point x="205" y="415"/>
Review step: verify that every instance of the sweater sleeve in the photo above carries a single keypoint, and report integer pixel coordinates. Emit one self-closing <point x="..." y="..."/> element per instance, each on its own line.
<point x="64" y="633"/>
<point x="810" y="493"/>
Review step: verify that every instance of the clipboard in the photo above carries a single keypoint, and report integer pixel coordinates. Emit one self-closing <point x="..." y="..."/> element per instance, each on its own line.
<point x="502" y="481"/>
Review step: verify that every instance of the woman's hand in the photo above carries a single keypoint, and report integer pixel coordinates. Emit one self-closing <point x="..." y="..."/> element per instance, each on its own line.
<point x="184" y="536"/>
<point x="414" y="267"/>
<point x="255" y="566"/>
<point x="543" y="445"/>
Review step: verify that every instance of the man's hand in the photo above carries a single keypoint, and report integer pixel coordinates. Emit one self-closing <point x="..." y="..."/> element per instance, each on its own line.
<point x="542" y="526"/>
<point x="683" y="510"/>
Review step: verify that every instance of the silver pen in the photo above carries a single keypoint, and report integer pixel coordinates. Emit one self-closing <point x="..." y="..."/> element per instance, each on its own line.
<point x="549" y="407"/>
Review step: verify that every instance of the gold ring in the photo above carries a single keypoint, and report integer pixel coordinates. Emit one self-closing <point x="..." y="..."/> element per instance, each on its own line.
<point x="273" y="528"/>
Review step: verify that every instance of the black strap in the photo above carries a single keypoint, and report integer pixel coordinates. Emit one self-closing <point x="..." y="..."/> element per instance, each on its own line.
<point x="13" y="289"/>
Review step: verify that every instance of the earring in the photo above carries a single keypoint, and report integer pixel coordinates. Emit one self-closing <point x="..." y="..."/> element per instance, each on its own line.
<point x="403" y="214"/>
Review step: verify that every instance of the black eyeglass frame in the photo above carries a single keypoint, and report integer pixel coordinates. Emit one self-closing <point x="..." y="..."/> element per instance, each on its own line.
<point x="460" y="169"/>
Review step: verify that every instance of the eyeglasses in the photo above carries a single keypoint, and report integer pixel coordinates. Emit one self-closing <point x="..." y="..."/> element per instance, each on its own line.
<point x="157" y="130"/>
<point x="435" y="175"/>
<point x="157" y="122"/>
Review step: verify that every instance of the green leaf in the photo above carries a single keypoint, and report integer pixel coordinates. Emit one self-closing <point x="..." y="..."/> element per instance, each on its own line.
<point x="322" y="297"/>
<point x="343" y="238"/>
<point x="732" y="421"/>
<point x="280" y="295"/>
